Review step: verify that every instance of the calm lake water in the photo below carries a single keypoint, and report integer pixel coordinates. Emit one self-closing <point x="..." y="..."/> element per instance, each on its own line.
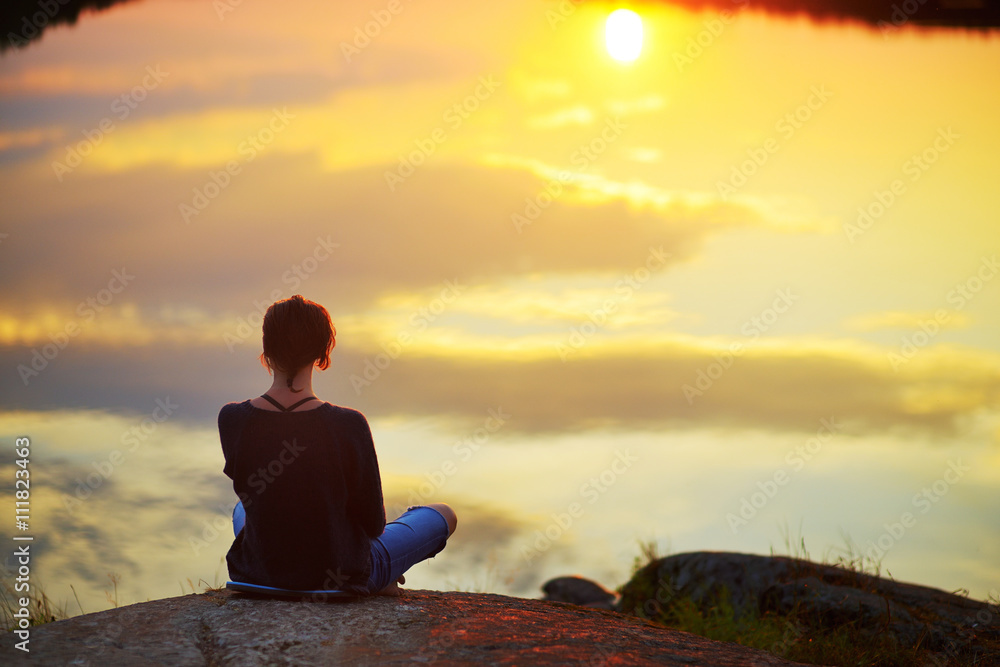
<point x="740" y="297"/>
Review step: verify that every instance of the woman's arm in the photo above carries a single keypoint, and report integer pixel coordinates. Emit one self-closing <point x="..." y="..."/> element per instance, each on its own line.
<point x="232" y="418"/>
<point x="366" y="504"/>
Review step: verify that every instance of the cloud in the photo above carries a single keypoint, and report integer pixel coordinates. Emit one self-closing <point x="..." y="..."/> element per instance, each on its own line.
<point x="622" y="385"/>
<point x="455" y="222"/>
<point x="909" y="321"/>
<point x="576" y="115"/>
<point x="784" y="386"/>
<point x="81" y="544"/>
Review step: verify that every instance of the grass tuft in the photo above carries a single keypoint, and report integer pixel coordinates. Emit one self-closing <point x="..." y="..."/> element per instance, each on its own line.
<point x="40" y="608"/>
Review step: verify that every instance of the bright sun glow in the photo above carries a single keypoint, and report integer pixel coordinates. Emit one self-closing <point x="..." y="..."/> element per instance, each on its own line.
<point x="623" y="33"/>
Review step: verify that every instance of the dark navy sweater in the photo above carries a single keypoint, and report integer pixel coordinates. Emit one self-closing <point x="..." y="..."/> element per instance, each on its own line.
<point x="310" y="484"/>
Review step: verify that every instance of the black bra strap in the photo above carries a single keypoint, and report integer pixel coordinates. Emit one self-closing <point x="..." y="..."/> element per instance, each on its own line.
<point x="289" y="408"/>
<point x="304" y="400"/>
<point x="274" y="402"/>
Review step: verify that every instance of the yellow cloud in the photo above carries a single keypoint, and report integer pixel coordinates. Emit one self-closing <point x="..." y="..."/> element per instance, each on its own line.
<point x="68" y="78"/>
<point x="533" y="90"/>
<point x="352" y="129"/>
<point x="29" y="138"/>
<point x="644" y="104"/>
<point x="897" y="319"/>
<point x="575" y="115"/>
<point x="114" y="324"/>
<point x="644" y="154"/>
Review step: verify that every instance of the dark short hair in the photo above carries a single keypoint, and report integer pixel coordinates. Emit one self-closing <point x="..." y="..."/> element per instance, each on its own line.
<point x="297" y="332"/>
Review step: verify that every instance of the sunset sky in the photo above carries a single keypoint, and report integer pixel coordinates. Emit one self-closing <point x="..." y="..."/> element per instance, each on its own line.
<point x="761" y="223"/>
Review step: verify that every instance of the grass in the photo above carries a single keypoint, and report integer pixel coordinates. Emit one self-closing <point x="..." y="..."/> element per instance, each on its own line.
<point x="41" y="609"/>
<point x="790" y="636"/>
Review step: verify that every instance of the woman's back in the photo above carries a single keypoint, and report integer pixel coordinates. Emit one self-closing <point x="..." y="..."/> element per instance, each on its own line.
<point x="310" y="485"/>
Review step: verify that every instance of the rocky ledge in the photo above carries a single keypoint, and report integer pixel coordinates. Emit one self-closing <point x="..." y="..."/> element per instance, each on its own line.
<point x="579" y="622"/>
<point x="226" y="628"/>
<point x="818" y="599"/>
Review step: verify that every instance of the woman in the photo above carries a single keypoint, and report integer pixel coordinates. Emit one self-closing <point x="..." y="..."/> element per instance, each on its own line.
<point x="311" y="514"/>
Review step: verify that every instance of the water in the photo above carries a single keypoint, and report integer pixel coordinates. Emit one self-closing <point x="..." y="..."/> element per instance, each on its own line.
<point x="743" y="302"/>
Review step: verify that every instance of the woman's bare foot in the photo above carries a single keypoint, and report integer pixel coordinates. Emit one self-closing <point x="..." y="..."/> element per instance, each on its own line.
<point x="393" y="590"/>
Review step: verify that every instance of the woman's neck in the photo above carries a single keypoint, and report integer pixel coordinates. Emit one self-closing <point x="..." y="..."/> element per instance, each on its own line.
<point x="301" y="382"/>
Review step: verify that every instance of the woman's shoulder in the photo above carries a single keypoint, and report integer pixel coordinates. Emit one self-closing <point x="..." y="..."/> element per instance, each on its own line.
<point x="233" y="411"/>
<point x="342" y="413"/>
<point x="338" y="409"/>
<point x="342" y="417"/>
<point x="236" y="406"/>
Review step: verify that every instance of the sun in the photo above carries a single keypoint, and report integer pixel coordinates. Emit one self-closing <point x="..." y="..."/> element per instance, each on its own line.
<point x="623" y="34"/>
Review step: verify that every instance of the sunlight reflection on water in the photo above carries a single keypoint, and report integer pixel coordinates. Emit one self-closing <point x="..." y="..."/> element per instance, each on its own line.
<point x="530" y="508"/>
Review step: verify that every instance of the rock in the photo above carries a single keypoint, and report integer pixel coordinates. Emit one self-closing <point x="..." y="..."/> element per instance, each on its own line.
<point x="823" y="596"/>
<point x="577" y="590"/>
<point x="829" y="605"/>
<point x="226" y="628"/>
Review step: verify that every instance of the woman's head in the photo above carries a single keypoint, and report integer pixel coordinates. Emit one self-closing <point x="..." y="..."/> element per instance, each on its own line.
<point x="297" y="333"/>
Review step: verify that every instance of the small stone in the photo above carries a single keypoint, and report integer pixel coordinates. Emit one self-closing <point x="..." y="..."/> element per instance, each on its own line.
<point x="578" y="590"/>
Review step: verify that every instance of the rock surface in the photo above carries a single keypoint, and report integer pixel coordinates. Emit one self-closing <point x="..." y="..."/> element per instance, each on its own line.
<point x="823" y="596"/>
<point x="226" y="628"/>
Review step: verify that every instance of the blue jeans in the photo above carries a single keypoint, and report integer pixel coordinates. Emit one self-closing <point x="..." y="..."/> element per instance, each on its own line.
<point x="418" y="534"/>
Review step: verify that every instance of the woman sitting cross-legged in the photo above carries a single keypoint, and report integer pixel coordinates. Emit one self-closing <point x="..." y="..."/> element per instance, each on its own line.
<point x="311" y="514"/>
